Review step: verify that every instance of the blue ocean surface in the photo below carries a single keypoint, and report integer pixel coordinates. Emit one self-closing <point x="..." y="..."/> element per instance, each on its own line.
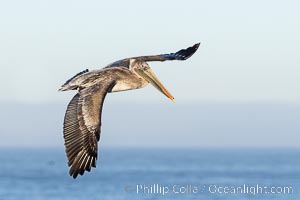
<point x="36" y="174"/>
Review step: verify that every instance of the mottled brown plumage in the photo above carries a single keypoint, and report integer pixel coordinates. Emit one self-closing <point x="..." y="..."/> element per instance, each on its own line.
<point x="83" y="116"/>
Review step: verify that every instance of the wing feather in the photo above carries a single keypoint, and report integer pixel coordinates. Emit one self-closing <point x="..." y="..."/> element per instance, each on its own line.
<point x="82" y="127"/>
<point x="182" y="54"/>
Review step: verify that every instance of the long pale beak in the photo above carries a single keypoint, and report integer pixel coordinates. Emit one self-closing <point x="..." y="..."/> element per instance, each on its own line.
<point x="153" y="80"/>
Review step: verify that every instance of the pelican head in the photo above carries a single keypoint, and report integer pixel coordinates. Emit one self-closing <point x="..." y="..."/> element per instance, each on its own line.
<point x="142" y="69"/>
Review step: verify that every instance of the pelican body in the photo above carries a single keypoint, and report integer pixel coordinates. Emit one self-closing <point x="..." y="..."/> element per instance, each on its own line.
<point x="83" y="116"/>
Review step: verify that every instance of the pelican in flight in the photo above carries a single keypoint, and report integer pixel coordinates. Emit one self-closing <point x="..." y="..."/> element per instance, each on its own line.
<point x="83" y="116"/>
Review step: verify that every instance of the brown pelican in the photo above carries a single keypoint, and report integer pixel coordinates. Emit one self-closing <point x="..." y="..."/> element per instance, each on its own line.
<point x="83" y="116"/>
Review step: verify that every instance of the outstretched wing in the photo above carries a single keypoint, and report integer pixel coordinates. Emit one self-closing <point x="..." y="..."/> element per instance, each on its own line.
<point x="82" y="127"/>
<point x="182" y="54"/>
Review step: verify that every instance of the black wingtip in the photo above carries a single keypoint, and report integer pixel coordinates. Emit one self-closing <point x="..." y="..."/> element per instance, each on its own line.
<point x="192" y="49"/>
<point x="196" y="46"/>
<point x="184" y="54"/>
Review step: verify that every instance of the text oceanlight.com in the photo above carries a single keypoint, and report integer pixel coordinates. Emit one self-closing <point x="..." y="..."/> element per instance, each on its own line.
<point x="160" y="189"/>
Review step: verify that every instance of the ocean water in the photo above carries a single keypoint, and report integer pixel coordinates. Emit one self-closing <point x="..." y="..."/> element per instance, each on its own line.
<point x="36" y="174"/>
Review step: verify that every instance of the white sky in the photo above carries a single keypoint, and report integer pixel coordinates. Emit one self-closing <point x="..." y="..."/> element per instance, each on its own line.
<point x="249" y="52"/>
<point x="240" y="89"/>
